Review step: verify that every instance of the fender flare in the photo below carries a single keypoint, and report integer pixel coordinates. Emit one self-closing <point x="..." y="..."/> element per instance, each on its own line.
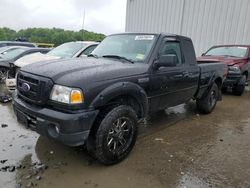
<point x="210" y="84"/>
<point x="119" y="89"/>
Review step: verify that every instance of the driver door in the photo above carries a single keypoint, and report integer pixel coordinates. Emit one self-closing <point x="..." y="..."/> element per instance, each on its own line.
<point x="167" y="83"/>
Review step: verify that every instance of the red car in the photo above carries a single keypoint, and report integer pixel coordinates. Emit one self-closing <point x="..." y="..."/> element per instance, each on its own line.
<point x="237" y="57"/>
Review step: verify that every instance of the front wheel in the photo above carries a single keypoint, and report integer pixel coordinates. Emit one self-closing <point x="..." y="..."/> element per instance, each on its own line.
<point x="116" y="135"/>
<point x="240" y="87"/>
<point x="208" y="103"/>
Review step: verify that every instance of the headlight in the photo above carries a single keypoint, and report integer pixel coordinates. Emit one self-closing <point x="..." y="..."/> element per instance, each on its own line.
<point x="234" y="69"/>
<point x="66" y="95"/>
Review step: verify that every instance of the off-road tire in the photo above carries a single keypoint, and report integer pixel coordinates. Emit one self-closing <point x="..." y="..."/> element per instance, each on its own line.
<point x="107" y="127"/>
<point x="240" y="87"/>
<point x="207" y="103"/>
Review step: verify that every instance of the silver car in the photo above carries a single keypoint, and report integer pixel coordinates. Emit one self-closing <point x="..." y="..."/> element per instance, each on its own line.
<point x="64" y="51"/>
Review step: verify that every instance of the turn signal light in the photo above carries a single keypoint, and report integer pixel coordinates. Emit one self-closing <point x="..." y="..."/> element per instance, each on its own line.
<point x="76" y="97"/>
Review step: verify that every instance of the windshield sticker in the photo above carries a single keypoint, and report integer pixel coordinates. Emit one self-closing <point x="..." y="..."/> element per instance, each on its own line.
<point x="140" y="56"/>
<point x="144" y="37"/>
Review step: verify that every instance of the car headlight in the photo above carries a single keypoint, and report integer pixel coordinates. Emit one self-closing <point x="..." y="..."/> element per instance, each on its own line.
<point x="234" y="69"/>
<point x="66" y="95"/>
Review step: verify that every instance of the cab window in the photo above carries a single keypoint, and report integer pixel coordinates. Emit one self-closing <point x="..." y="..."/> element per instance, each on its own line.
<point x="171" y="48"/>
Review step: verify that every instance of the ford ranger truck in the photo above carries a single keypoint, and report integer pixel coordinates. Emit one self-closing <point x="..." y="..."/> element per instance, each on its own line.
<point x="237" y="58"/>
<point x="98" y="101"/>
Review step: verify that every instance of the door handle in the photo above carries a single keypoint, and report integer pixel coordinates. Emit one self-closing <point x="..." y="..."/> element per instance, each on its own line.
<point x="178" y="76"/>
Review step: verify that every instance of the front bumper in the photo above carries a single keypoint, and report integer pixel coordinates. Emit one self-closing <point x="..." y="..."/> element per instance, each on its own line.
<point x="70" y="129"/>
<point x="232" y="79"/>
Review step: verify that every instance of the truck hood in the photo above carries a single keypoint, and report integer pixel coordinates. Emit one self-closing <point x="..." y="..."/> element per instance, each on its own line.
<point x="33" y="58"/>
<point x="222" y="59"/>
<point x="77" y="70"/>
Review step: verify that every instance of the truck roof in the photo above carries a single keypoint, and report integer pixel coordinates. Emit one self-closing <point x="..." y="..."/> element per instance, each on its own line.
<point x="152" y="33"/>
<point x="144" y="33"/>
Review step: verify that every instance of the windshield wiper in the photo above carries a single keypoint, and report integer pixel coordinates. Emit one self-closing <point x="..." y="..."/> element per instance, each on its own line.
<point x="93" y="55"/>
<point x="119" y="57"/>
<point x="230" y="56"/>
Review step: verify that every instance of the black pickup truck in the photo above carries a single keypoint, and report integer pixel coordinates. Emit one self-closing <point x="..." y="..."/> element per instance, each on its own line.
<point x="97" y="101"/>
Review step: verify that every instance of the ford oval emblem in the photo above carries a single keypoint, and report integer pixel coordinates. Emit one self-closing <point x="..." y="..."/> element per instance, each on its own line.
<point x="25" y="87"/>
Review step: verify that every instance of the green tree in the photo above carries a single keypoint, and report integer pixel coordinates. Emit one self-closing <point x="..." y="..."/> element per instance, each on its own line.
<point x="2" y="35"/>
<point x="55" y="35"/>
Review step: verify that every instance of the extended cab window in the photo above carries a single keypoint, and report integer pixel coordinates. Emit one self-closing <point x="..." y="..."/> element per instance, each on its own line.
<point x="171" y="48"/>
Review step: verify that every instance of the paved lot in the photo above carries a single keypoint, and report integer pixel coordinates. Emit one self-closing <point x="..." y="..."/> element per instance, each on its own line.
<point x="176" y="148"/>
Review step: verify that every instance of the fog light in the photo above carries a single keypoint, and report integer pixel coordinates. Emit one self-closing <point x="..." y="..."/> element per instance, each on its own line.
<point x="57" y="129"/>
<point x="53" y="130"/>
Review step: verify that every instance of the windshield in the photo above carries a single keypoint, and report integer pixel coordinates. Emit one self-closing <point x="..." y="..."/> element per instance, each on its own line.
<point x="130" y="46"/>
<point x="67" y="50"/>
<point x="13" y="53"/>
<point x="228" y="51"/>
<point x="3" y="49"/>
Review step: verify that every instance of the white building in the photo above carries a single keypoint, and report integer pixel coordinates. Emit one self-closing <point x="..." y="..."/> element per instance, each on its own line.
<point x="207" y="22"/>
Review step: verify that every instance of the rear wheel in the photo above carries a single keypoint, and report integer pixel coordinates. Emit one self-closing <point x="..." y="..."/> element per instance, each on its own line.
<point x="116" y="135"/>
<point x="240" y="87"/>
<point x="208" y="103"/>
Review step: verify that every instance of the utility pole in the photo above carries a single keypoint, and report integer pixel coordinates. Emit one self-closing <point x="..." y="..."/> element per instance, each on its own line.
<point x="83" y="20"/>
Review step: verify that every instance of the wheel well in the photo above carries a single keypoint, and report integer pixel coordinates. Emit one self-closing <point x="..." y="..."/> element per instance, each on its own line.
<point x="245" y="73"/>
<point x="218" y="82"/>
<point x="126" y="100"/>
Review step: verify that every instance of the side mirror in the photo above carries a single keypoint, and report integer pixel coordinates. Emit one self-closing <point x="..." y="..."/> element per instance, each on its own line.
<point x="203" y="54"/>
<point x="169" y="60"/>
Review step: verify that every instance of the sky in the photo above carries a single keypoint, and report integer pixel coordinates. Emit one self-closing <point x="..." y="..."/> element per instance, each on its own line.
<point x="102" y="16"/>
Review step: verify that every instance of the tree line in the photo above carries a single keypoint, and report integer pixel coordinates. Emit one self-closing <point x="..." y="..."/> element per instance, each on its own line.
<point x="44" y="35"/>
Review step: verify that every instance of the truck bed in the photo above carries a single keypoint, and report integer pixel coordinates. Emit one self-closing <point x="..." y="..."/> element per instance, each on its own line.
<point x="206" y="70"/>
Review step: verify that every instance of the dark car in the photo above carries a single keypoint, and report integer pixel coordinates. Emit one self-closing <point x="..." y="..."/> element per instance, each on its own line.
<point x="237" y="57"/>
<point x="5" y="48"/>
<point x="97" y="101"/>
<point x="16" y="43"/>
<point x="12" y="54"/>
